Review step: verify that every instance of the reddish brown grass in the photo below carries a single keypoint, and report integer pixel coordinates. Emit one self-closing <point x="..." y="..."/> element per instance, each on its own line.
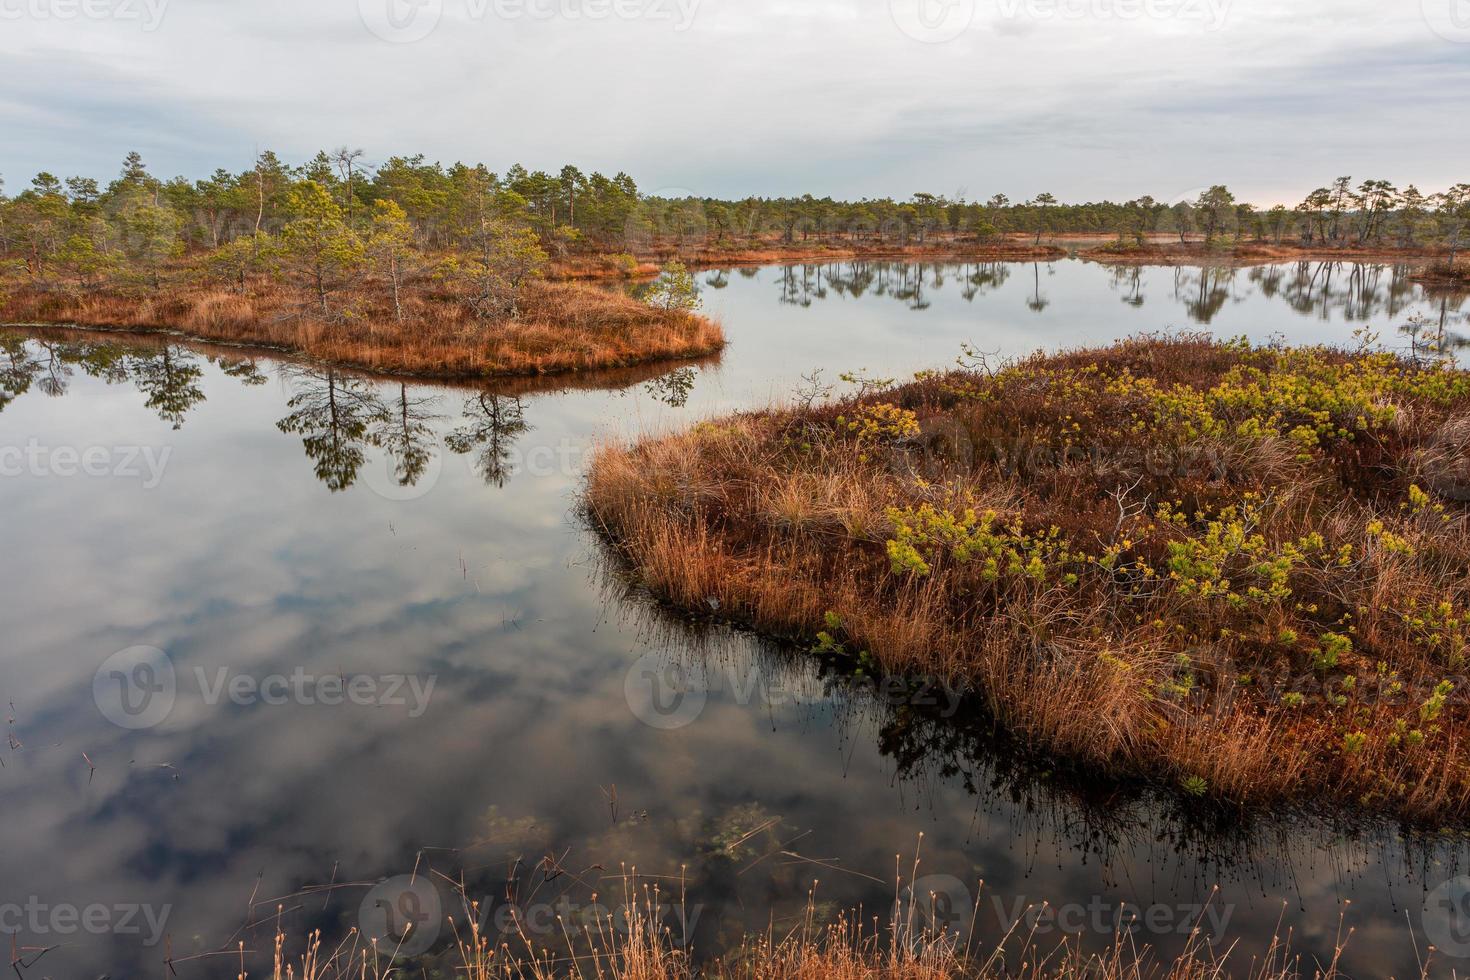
<point x="1321" y="687"/>
<point x="562" y="327"/>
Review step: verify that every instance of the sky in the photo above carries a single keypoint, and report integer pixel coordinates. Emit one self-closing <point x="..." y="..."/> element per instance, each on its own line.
<point x="1087" y="99"/>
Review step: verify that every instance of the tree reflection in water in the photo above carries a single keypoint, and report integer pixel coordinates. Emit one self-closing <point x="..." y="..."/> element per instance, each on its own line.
<point x="170" y="380"/>
<point x="167" y="374"/>
<point x="334" y="414"/>
<point x="341" y="417"/>
<point x="492" y="424"/>
<point x="404" y="431"/>
<point x="1358" y="291"/>
<point x="1022" y="796"/>
<point x="673" y="388"/>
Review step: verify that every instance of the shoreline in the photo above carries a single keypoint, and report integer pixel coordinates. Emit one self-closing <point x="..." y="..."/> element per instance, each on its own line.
<point x="950" y="251"/>
<point x="1249" y="254"/>
<point x="1162" y="251"/>
<point x="566" y="329"/>
<point x="588" y="279"/>
<point x="514" y="385"/>
<point x="649" y="263"/>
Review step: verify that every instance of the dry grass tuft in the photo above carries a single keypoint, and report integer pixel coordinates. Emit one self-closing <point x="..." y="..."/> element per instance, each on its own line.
<point x="633" y="945"/>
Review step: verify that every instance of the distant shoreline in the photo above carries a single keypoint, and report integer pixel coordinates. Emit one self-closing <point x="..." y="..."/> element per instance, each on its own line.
<point x="1160" y="249"/>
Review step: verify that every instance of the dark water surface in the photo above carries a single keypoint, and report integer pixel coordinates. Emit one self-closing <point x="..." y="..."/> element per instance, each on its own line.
<point x="201" y="549"/>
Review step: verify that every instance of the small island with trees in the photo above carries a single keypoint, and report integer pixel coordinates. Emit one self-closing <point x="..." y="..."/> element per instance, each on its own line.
<point x="417" y="270"/>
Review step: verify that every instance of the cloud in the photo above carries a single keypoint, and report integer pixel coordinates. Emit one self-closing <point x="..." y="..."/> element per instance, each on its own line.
<point x="761" y="96"/>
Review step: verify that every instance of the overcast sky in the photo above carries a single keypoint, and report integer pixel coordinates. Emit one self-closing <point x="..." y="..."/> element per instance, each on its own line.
<point x="1085" y="98"/>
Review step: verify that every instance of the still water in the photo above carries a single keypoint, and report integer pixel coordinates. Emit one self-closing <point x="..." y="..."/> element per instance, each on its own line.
<point x="273" y="633"/>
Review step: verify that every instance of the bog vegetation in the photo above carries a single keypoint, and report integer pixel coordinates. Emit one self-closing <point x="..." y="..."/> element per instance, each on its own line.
<point x="634" y="941"/>
<point x="1240" y="571"/>
<point x="848" y="950"/>
<point x="413" y="269"/>
<point x="411" y="266"/>
<point x="404" y="218"/>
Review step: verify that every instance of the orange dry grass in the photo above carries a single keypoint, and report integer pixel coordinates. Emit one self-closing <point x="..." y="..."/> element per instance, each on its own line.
<point x="602" y="267"/>
<point x="1325" y="689"/>
<point x="844" y="951"/>
<point x="562" y="327"/>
